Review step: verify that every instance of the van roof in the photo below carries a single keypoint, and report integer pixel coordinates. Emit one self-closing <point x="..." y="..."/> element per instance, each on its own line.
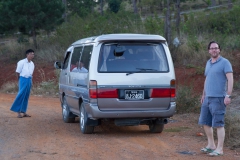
<point x="123" y="36"/>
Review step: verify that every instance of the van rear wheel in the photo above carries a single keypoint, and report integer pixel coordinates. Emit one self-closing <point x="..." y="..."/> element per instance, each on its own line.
<point x="85" y="129"/>
<point x="68" y="117"/>
<point x="156" y="128"/>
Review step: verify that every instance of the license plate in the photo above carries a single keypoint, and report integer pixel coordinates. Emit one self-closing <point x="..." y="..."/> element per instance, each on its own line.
<point x="134" y="94"/>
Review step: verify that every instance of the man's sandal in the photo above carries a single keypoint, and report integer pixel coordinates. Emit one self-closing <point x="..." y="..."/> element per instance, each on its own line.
<point x="207" y="150"/>
<point x="215" y="154"/>
<point x="26" y="115"/>
<point x="19" y="116"/>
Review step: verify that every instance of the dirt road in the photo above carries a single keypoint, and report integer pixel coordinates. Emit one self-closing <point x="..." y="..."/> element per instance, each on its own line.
<point x="45" y="136"/>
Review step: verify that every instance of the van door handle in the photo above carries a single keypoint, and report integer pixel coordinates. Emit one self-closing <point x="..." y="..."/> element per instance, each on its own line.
<point x="65" y="73"/>
<point x="78" y="85"/>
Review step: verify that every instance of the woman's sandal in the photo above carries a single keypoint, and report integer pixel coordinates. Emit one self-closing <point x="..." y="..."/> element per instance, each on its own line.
<point x="207" y="150"/>
<point x="19" y="116"/>
<point x="215" y="154"/>
<point x="26" y="115"/>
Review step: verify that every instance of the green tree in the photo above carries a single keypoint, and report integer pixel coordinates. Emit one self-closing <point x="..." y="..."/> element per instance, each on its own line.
<point x="31" y="15"/>
<point x="4" y="19"/>
<point x="80" y="7"/>
<point x="178" y="12"/>
<point x="114" y="5"/>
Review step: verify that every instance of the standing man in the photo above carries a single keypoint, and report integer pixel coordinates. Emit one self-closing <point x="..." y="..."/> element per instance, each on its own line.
<point x="216" y="96"/>
<point x="25" y="68"/>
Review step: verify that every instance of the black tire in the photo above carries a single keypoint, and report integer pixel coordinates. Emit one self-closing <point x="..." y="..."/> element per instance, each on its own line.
<point x="156" y="128"/>
<point x="85" y="129"/>
<point x="68" y="117"/>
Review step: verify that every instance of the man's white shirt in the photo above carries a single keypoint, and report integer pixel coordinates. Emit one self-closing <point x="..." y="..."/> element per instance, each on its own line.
<point x="25" y="68"/>
<point x="84" y="70"/>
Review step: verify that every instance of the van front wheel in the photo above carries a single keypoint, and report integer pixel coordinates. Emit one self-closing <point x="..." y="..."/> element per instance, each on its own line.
<point x="85" y="129"/>
<point x="156" y="128"/>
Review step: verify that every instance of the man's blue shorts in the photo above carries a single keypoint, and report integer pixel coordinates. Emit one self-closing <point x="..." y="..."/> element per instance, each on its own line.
<point x="212" y="112"/>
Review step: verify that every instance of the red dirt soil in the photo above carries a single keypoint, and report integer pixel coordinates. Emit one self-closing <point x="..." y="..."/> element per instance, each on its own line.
<point x="42" y="72"/>
<point x="45" y="136"/>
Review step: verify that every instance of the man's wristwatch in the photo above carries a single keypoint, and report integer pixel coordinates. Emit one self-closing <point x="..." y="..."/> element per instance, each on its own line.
<point x="229" y="96"/>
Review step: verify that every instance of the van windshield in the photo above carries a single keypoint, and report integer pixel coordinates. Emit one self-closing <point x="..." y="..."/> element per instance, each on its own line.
<point x="132" y="58"/>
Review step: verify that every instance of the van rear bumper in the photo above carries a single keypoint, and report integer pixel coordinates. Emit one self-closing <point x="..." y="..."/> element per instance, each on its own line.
<point x="94" y="112"/>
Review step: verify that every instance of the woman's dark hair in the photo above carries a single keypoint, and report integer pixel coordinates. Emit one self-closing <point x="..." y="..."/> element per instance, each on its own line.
<point x="29" y="51"/>
<point x="213" y="42"/>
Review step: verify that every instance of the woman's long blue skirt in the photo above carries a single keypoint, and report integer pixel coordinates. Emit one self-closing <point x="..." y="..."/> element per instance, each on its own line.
<point x="21" y="102"/>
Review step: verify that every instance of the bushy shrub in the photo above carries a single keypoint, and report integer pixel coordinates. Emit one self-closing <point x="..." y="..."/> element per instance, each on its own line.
<point x="95" y="24"/>
<point x="12" y="51"/>
<point x="187" y="101"/>
<point x="45" y="88"/>
<point x="232" y="121"/>
<point x="193" y="50"/>
<point x="9" y="87"/>
<point x="154" y="25"/>
<point x="236" y="84"/>
<point x="218" y="22"/>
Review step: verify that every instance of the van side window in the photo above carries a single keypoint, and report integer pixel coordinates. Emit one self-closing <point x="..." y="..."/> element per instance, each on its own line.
<point x="66" y="60"/>
<point x="75" y="59"/>
<point x="86" y="56"/>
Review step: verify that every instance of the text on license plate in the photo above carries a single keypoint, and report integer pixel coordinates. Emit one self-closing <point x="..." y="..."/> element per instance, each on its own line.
<point x="134" y="94"/>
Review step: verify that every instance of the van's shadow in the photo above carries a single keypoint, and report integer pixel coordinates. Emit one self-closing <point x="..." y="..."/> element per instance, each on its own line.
<point x="108" y="127"/>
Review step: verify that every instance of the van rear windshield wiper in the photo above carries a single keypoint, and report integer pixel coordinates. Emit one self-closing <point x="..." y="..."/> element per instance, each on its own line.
<point x="141" y="70"/>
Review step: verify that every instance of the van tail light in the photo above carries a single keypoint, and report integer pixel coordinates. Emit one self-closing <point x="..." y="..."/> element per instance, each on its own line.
<point x="107" y="93"/>
<point x="95" y="92"/>
<point x="173" y="88"/>
<point x="164" y="92"/>
<point x="93" y="89"/>
<point x="173" y="92"/>
<point x="161" y="92"/>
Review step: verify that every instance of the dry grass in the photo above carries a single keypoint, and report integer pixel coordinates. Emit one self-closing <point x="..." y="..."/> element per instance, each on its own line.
<point x="232" y="121"/>
<point x="10" y="87"/>
<point x="187" y="101"/>
<point x="12" y="50"/>
<point x="192" y="51"/>
<point x="49" y="88"/>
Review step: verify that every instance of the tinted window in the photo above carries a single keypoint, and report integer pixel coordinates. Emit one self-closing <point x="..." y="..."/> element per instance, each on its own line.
<point x="132" y="57"/>
<point x="66" y="60"/>
<point x="86" y="56"/>
<point x="75" y="58"/>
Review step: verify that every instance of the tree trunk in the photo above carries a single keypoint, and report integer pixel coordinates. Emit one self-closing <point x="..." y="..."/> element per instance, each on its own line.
<point x="229" y="4"/>
<point x="161" y="5"/>
<point x="135" y="9"/>
<point x="34" y="36"/>
<point x="168" y="23"/>
<point x="101" y="7"/>
<point x="178" y="18"/>
<point x="140" y="8"/>
<point x="65" y="11"/>
<point x="213" y="4"/>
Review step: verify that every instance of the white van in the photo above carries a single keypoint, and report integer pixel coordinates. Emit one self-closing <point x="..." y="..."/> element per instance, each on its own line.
<point x="129" y="78"/>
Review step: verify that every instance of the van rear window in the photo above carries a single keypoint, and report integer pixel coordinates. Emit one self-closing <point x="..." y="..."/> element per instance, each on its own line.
<point x="132" y="57"/>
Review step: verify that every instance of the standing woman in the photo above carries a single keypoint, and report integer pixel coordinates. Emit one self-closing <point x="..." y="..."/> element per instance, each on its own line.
<point x="25" y="68"/>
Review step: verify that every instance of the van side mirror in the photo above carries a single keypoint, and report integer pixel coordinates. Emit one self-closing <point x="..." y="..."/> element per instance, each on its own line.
<point x="58" y="65"/>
